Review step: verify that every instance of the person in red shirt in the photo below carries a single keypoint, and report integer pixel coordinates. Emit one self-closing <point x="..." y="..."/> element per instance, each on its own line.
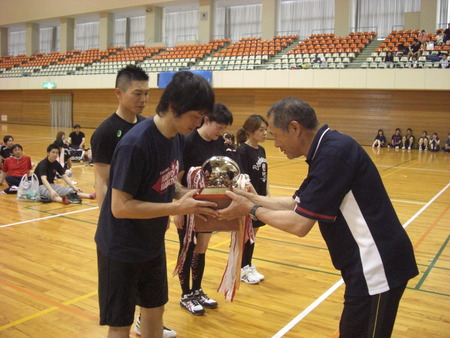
<point x="15" y="167"/>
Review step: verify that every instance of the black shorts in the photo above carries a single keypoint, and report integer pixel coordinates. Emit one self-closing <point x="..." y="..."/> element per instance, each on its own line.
<point x="122" y="286"/>
<point x="370" y="316"/>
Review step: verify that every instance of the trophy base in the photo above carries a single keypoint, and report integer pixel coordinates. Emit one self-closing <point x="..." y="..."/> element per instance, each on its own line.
<point x="218" y="196"/>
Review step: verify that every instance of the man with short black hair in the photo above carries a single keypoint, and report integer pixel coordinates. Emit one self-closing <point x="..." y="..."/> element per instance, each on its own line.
<point x="135" y="212"/>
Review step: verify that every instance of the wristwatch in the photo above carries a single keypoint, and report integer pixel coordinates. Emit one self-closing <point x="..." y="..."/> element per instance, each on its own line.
<point x="253" y="211"/>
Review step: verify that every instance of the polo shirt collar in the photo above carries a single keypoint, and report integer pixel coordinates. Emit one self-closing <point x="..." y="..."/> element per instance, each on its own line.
<point x="316" y="143"/>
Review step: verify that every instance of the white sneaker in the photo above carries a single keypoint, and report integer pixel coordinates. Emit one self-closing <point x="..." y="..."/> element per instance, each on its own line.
<point x="247" y="275"/>
<point x="403" y="148"/>
<point x="192" y="305"/>
<point x="258" y="275"/>
<point x="409" y="148"/>
<point x="167" y="333"/>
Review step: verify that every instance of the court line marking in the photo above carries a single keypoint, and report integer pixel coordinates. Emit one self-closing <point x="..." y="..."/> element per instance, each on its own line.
<point x="48" y="217"/>
<point x="327" y="293"/>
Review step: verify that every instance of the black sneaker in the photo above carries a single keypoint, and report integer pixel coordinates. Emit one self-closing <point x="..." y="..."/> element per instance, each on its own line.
<point x="204" y="300"/>
<point x="73" y="197"/>
<point x="191" y="304"/>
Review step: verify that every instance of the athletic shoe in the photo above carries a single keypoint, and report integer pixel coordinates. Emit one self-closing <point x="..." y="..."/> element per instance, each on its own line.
<point x="426" y="148"/>
<point x="73" y="197"/>
<point x="191" y="304"/>
<point x="403" y="147"/>
<point x="204" y="300"/>
<point x="247" y="275"/>
<point x="258" y="275"/>
<point x="167" y="333"/>
<point x="409" y="148"/>
<point x="396" y="147"/>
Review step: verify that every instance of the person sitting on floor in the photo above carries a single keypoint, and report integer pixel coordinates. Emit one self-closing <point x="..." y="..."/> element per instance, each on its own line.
<point x="408" y="140"/>
<point x="14" y="168"/>
<point x="435" y="142"/>
<point x="396" y="140"/>
<point x="49" y="191"/>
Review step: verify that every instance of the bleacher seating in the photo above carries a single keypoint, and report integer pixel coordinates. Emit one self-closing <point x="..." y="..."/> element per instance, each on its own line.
<point x="337" y="52"/>
<point x="246" y="54"/>
<point x="405" y="37"/>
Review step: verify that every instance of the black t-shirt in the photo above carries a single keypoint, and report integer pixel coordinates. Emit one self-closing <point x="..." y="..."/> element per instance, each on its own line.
<point x="145" y="165"/>
<point x="5" y="152"/>
<point x="253" y="163"/>
<point x="197" y="151"/>
<point x="49" y="169"/>
<point x="107" y="136"/>
<point x="76" y="139"/>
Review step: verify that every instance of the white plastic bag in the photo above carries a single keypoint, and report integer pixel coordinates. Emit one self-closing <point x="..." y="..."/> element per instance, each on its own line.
<point x="28" y="189"/>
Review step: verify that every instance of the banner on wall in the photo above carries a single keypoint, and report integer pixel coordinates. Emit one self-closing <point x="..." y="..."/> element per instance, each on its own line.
<point x="165" y="77"/>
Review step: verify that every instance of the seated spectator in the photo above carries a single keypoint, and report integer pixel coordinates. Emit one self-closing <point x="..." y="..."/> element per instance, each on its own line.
<point x="46" y="171"/>
<point x="443" y="63"/>
<point x="446" y="146"/>
<point x="422" y="35"/>
<point x="14" y="168"/>
<point x="6" y="148"/>
<point x="380" y="139"/>
<point x="396" y="140"/>
<point x="77" y="138"/>
<point x="76" y="143"/>
<point x="423" y="141"/>
<point x="415" y="49"/>
<point x="408" y="140"/>
<point x="435" y="142"/>
<point x="402" y="50"/>
<point x="446" y="34"/>
<point x="389" y="59"/>
<point x="439" y="38"/>
<point x="229" y="141"/>
<point x="64" y="150"/>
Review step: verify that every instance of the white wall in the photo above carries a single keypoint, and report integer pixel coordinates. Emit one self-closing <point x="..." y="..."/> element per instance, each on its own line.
<point x="421" y="79"/>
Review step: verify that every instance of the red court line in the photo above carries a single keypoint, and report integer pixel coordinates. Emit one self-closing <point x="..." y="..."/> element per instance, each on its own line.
<point x="431" y="227"/>
<point x="49" y="301"/>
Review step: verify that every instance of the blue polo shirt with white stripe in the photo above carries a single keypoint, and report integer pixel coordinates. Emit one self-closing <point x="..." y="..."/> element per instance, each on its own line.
<point x="345" y="194"/>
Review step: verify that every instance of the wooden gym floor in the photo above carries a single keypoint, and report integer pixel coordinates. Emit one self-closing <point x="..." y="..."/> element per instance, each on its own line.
<point x="48" y="280"/>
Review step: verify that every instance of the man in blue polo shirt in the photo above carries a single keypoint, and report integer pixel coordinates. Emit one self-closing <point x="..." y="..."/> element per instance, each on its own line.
<point x="344" y="193"/>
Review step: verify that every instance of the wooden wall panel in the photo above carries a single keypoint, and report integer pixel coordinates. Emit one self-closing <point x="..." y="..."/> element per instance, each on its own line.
<point x="359" y="113"/>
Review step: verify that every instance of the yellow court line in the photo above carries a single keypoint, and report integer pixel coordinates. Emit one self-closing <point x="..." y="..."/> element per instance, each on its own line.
<point x="25" y="319"/>
<point x="399" y="169"/>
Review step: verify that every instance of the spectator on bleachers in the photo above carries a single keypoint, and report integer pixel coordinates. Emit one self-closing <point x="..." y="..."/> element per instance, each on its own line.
<point x="14" y="168"/>
<point x="422" y="35"/>
<point x="6" y="148"/>
<point x="380" y="139"/>
<point x="396" y="139"/>
<point x="389" y="59"/>
<point x="446" y="146"/>
<point x="443" y="63"/>
<point x="49" y="191"/>
<point x="435" y="142"/>
<point x="408" y="139"/>
<point x="439" y="38"/>
<point x="423" y="141"/>
<point x="415" y="49"/>
<point x="446" y="34"/>
<point x="402" y="50"/>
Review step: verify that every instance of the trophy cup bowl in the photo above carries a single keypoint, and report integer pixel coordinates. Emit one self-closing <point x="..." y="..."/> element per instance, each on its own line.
<point x="220" y="173"/>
